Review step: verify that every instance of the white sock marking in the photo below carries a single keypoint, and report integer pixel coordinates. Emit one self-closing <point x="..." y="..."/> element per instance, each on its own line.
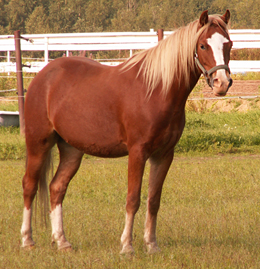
<point x="27" y="214"/>
<point x="26" y="231"/>
<point x="56" y="222"/>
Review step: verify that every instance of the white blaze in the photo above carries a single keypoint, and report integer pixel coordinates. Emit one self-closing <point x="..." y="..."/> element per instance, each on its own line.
<point x="217" y="43"/>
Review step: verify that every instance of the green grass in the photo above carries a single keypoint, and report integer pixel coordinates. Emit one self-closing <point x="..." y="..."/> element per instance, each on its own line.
<point x="209" y="217"/>
<point x="246" y="76"/>
<point x="204" y="134"/>
<point x="10" y="82"/>
<point x="9" y="106"/>
<point x="214" y="133"/>
<point x="12" y="144"/>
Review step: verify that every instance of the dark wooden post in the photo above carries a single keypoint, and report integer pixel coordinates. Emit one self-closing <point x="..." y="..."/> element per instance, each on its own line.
<point x="160" y="34"/>
<point x="19" y="75"/>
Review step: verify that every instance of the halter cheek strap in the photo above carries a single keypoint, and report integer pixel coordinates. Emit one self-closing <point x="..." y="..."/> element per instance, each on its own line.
<point x="208" y="74"/>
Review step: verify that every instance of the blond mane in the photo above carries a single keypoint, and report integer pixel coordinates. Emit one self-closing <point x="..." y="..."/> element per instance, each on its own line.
<point x="172" y="57"/>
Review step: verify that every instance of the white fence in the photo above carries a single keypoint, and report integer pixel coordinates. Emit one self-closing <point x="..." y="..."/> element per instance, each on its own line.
<point x="112" y="41"/>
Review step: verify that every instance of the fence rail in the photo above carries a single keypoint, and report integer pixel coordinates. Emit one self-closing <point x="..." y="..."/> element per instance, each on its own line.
<point x="112" y="41"/>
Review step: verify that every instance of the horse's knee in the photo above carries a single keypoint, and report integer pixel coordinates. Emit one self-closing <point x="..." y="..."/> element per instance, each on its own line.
<point x="153" y="205"/>
<point x="30" y="187"/>
<point x="57" y="188"/>
<point x="57" y="193"/>
<point x="132" y="204"/>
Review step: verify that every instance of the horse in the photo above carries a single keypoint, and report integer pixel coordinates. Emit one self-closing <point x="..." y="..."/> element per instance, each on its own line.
<point x="136" y="108"/>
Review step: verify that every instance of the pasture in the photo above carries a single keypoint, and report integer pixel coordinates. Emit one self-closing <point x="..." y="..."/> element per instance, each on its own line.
<point x="209" y="215"/>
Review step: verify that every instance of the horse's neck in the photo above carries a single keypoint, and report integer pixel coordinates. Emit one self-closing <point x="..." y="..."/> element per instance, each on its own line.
<point x="179" y="92"/>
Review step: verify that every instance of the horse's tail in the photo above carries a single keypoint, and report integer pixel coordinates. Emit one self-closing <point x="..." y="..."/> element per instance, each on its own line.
<point x="43" y="186"/>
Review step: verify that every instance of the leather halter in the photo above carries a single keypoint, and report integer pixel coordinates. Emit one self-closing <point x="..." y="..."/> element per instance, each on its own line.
<point x="208" y="74"/>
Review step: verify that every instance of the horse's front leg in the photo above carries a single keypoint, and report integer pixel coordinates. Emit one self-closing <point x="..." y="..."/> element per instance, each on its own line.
<point x="158" y="172"/>
<point x="136" y="164"/>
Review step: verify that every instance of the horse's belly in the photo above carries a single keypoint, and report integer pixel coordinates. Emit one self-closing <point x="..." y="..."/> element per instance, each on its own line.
<point x="109" y="151"/>
<point x="96" y="145"/>
<point x="95" y="131"/>
<point x="99" y="142"/>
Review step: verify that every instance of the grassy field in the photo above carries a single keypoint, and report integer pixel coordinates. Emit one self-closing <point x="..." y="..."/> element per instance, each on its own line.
<point x="204" y="134"/>
<point x="209" y="216"/>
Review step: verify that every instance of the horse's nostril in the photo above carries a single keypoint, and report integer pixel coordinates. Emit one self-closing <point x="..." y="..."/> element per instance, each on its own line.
<point x="216" y="82"/>
<point x="230" y="83"/>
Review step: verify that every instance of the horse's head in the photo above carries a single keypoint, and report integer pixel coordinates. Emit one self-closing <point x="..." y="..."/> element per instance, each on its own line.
<point x="212" y="53"/>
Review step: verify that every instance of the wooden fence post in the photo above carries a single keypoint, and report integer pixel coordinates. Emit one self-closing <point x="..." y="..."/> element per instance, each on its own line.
<point x="19" y="75"/>
<point x="160" y="34"/>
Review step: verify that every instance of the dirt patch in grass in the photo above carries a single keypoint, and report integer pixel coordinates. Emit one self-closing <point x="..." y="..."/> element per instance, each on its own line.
<point x="239" y="88"/>
<point x="244" y="95"/>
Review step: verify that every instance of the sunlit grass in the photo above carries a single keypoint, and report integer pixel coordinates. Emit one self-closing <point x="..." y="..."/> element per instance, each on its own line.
<point x="246" y="76"/>
<point x="214" y="133"/>
<point x="12" y="144"/>
<point x="9" y="106"/>
<point x="204" y="134"/>
<point x="209" y="217"/>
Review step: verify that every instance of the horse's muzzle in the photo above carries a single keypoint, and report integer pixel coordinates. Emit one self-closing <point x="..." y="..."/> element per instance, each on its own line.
<point x="219" y="87"/>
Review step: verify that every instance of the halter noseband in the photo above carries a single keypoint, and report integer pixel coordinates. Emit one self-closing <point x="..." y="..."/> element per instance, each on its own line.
<point x="208" y="74"/>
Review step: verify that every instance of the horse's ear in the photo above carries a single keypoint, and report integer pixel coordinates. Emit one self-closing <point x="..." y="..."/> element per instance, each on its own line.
<point x="226" y="17"/>
<point x="204" y="18"/>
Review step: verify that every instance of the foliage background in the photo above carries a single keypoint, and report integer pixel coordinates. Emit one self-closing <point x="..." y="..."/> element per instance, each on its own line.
<point x="63" y="16"/>
<point x="75" y="16"/>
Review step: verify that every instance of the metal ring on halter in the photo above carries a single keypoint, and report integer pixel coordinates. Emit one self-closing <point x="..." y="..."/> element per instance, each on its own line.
<point x="207" y="74"/>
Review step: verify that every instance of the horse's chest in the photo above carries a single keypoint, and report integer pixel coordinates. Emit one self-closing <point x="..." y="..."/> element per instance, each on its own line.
<point x="167" y="135"/>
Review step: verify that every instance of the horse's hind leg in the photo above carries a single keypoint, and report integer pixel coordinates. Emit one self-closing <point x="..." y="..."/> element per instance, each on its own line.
<point x="70" y="159"/>
<point x="38" y="156"/>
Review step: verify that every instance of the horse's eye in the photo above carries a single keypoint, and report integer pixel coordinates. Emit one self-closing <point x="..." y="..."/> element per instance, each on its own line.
<point x="202" y="47"/>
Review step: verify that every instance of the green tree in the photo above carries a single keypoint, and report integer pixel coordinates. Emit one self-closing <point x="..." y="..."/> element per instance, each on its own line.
<point x="61" y="16"/>
<point x="17" y="11"/>
<point x="3" y="21"/>
<point x="98" y="16"/>
<point x="247" y="14"/>
<point x="125" y="15"/>
<point x="38" y="22"/>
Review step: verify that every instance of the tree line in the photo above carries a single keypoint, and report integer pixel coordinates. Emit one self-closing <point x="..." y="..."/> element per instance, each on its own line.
<point x="71" y="16"/>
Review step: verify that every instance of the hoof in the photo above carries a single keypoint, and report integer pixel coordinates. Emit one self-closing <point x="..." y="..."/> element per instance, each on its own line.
<point x="28" y="244"/>
<point x="152" y="248"/>
<point x="67" y="249"/>
<point x="28" y="248"/>
<point x="66" y="246"/>
<point x="127" y="250"/>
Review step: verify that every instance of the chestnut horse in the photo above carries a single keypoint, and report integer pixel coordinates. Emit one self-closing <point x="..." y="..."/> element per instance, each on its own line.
<point x="135" y="109"/>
